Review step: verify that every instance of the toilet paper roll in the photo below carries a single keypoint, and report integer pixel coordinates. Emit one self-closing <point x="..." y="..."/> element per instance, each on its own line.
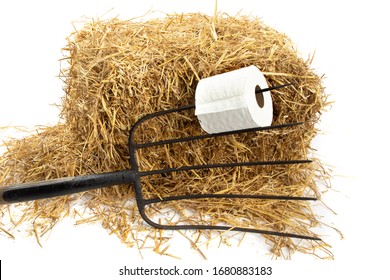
<point x="228" y="101"/>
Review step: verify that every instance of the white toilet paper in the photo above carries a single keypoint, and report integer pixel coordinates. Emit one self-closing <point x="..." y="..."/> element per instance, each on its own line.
<point x="227" y="101"/>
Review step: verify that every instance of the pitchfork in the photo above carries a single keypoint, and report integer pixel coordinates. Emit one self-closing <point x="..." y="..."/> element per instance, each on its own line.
<point x="71" y="185"/>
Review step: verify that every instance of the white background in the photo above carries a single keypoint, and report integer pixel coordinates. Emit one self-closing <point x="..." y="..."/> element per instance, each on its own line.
<point x="350" y="39"/>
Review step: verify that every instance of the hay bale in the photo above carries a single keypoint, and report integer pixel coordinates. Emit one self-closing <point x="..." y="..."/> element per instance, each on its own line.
<point x="121" y="70"/>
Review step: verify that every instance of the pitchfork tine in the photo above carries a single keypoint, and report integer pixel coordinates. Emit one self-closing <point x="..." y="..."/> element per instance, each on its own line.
<point x="221" y="165"/>
<point x="202" y="196"/>
<point x="207" y="136"/>
<point x="272" y="88"/>
<point x="241" y="229"/>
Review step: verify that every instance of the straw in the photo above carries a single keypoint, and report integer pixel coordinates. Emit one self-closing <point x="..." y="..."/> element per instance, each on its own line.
<point x="117" y="71"/>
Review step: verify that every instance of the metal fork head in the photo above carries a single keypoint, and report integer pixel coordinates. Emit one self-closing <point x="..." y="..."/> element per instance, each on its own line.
<point x="143" y="202"/>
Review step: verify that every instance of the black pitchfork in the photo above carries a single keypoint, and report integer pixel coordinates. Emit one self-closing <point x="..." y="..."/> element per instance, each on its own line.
<point x="71" y="185"/>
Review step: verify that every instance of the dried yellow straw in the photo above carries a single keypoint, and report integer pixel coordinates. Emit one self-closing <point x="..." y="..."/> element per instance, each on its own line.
<point x="121" y="70"/>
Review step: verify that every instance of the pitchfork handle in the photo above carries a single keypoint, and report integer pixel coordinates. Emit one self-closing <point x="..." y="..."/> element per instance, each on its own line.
<point x="63" y="186"/>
